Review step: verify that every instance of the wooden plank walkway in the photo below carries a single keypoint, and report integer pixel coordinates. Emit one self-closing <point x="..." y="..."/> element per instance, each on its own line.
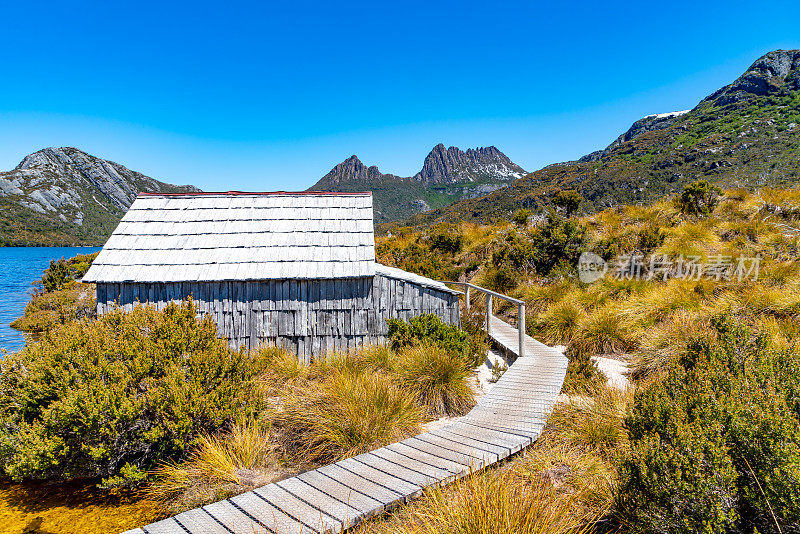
<point x="338" y="496"/>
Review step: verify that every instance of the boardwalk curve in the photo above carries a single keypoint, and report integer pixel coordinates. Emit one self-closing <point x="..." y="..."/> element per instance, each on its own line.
<point x="335" y="497"/>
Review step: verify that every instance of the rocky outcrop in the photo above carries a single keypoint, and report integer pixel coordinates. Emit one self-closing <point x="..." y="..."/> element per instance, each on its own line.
<point x="453" y="165"/>
<point x="774" y="73"/>
<point x="71" y="194"/>
<point x="650" y="123"/>
<point x="351" y="170"/>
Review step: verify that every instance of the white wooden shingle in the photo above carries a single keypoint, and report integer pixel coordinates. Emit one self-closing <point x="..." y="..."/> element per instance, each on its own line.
<point x="240" y="236"/>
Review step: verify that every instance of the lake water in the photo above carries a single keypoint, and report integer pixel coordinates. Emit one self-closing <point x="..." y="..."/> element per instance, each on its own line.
<point x="19" y="267"/>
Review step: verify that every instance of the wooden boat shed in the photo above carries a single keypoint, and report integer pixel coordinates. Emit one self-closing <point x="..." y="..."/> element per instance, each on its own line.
<point x="290" y="269"/>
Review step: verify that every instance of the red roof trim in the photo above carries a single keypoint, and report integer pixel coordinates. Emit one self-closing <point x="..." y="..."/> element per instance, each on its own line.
<point x="260" y="193"/>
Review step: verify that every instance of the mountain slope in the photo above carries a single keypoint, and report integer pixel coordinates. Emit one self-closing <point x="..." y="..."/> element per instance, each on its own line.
<point x="746" y="134"/>
<point x="63" y="196"/>
<point x="447" y="175"/>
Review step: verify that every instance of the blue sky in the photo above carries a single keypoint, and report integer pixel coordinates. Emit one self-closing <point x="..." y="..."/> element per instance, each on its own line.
<point x="265" y="96"/>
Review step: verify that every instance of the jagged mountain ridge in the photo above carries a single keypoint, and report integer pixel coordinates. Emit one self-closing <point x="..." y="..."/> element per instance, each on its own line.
<point x="447" y="175"/>
<point x="64" y="196"/>
<point x="745" y="134"/>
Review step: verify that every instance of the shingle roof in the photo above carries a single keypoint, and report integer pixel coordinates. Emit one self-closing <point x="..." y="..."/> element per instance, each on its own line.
<point x="239" y="236"/>
<point x="394" y="272"/>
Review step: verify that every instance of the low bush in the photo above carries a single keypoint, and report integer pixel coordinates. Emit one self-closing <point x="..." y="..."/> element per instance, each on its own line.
<point x="521" y="217"/>
<point x="431" y="330"/>
<point x="47" y="310"/>
<point x="715" y="444"/>
<point x="698" y="198"/>
<point x="133" y="389"/>
<point x="62" y="271"/>
<point x="440" y="379"/>
<point x="447" y="241"/>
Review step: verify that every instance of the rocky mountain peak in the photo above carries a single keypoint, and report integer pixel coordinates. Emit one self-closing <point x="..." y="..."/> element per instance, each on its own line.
<point x="76" y="196"/>
<point x="773" y="73"/>
<point x="350" y="170"/>
<point x="452" y="165"/>
<point x="447" y="175"/>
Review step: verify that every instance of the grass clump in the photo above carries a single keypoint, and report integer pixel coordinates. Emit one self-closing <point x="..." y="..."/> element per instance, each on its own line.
<point x="343" y="415"/>
<point x="605" y="331"/>
<point x="487" y="502"/>
<point x="221" y="465"/>
<point x="440" y="379"/>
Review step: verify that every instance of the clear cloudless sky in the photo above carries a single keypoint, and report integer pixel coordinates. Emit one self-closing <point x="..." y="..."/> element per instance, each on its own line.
<point x="266" y="96"/>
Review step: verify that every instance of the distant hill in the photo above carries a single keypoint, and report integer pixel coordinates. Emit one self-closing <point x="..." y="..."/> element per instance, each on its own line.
<point x="64" y="196"/>
<point x="746" y="134"/>
<point x="447" y="175"/>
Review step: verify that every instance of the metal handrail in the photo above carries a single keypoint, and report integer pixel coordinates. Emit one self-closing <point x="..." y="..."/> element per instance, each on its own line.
<point x="489" y="309"/>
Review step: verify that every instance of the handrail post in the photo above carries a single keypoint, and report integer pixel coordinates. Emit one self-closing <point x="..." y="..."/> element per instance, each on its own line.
<point x="466" y="295"/>
<point x="521" y="328"/>
<point x="488" y="311"/>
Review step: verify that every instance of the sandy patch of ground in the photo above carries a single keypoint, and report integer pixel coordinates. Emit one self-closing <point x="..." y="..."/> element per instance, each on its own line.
<point x="615" y="369"/>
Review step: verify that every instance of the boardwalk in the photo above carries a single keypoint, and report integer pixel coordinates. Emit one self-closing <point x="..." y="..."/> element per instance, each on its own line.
<point x="337" y="496"/>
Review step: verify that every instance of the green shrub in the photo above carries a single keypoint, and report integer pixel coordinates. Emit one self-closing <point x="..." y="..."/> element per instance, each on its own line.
<point x="56" y="275"/>
<point x="429" y="329"/>
<point x="515" y="251"/>
<point x="715" y="444"/>
<point x="698" y="198"/>
<point x="447" y="242"/>
<point x="650" y="238"/>
<point x="521" y="217"/>
<point x="63" y="271"/>
<point x="49" y="309"/>
<point x="559" y="242"/>
<point x="131" y="388"/>
<point x="568" y="201"/>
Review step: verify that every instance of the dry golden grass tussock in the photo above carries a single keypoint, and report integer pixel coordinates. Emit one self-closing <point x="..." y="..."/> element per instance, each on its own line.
<point x="486" y="503"/>
<point x="560" y="322"/>
<point x="659" y="301"/>
<point x="665" y="341"/>
<point x="442" y="381"/>
<point x="219" y="466"/>
<point x="343" y="415"/>
<point x="585" y="475"/>
<point x="607" y="330"/>
<point x="593" y="424"/>
<point x="538" y="296"/>
<point x="690" y="238"/>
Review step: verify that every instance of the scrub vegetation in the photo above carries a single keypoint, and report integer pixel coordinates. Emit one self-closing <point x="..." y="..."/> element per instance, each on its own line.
<point x="706" y="439"/>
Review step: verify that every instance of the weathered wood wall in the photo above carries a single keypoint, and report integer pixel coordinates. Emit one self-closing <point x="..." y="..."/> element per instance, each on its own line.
<point x="311" y="317"/>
